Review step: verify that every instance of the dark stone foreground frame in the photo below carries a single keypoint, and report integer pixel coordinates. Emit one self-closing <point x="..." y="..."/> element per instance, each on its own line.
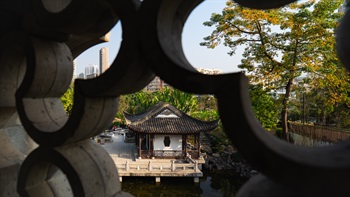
<point x="39" y="40"/>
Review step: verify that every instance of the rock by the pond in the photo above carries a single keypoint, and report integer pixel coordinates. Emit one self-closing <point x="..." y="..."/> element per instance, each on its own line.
<point x="216" y="155"/>
<point x="229" y="161"/>
<point x="253" y="172"/>
<point x="206" y="149"/>
<point x="229" y="149"/>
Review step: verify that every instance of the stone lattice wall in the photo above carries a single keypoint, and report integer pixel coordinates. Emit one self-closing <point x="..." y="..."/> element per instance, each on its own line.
<point x="45" y="152"/>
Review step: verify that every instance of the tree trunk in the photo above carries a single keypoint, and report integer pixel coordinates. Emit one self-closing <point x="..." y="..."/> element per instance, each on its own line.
<point x="324" y="116"/>
<point x="289" y="86"/>
<point x="284" y="113"/>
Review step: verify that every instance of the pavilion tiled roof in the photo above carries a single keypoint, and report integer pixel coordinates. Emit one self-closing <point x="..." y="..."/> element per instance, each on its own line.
<point x="164" y="118"/>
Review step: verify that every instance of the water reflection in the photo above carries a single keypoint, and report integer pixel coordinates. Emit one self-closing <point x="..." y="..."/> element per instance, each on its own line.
<point x="225" y="183"/>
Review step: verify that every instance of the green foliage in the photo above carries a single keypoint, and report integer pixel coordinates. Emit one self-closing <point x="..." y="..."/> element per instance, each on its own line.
<point x="67" y="99"/>
<point x="206" y="115"/>
<point x="141" y="101"/>
<point x="340" y="116"/>
<point x="264" y="107"/>
<point x="207" y="108"/>
<point x="278" y="133"/>
<point x="323" y="101"/>
<point x="221" y="139"/>
<point x="279" y="44"/>
<point x="123" y="105"/>
<point x="207" y="102"/>
<point x="282" y="44"/>
<point x="183" y="101"/>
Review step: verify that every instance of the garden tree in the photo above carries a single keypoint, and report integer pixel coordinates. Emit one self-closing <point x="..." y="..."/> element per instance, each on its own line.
<point x="67" y="99"/>
<point x="325" y="96"/>
<point x="320" y="108"/>
<point x="331" y="89"/>
<point x="279" y="44"/>
<point x="340" y="116"/>
<point x="123" y="105"/>
<point x="207" y="102"/>
<point x="141" y="101"/>
<point x="133" y="104"/>
<point x="303" y="104"/>
<point x="206" y="115"/>
<point x="207" y="108"/>
<point x="315" y="105"/>
<point x="183" y="101"/>
<point x="264" y="107"/>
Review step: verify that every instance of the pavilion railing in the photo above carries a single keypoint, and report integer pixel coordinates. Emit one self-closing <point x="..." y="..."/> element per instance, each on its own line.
<point x="177" y="154"/>
<point x="171" y="166"/>
<point x="194" y="154"/>
<point x="174" y="154"/>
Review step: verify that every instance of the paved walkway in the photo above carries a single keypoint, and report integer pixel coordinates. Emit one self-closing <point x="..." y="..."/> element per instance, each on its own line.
<point x="120" y="151"/>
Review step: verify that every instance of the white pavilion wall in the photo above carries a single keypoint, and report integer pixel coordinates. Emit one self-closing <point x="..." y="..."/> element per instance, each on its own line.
<point x="175" y="142"/>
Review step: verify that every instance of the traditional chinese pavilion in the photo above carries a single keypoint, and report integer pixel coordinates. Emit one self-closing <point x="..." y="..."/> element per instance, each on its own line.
<point x="163" y="131"/>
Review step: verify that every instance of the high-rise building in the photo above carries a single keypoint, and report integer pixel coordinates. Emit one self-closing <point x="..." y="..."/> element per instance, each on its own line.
<point x="209" y="71"/>
<point x="155" y="85"/>
<point x="74" y="66"/>
<point x="91" y="71"/>
<point x="104" y="65"/>
<point x="81" y="76"/>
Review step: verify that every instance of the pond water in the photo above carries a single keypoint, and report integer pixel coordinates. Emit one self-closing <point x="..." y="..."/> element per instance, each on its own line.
<point x="223" y="183"/>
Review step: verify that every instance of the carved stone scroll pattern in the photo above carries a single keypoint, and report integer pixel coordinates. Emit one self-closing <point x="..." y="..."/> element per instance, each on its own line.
<point x="38" y="45"/>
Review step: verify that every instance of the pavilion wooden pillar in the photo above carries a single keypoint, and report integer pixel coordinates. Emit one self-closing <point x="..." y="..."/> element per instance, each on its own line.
<point x="139" y="136"/>
<point x="152" y="145"/>
<point x="198" y="144"/>
<point x="184" y="145"/>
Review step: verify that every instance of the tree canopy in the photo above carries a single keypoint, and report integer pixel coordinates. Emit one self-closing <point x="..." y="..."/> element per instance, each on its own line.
<point x="203" y="107"/>
<point x="282" y="44"/>
<point x="264" y="107"/>
<point x="67" y="99"/>
<point x="141" y="101"/>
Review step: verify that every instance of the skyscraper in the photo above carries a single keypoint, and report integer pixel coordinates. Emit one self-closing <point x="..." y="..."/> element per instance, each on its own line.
<point x="209" y="71"/>
<point x="91" y="71"/>
<point x="81" y="76"/>
<point x="155" y="85"/>
<point x="74" y="66"/>
<point x="104" y="65"/>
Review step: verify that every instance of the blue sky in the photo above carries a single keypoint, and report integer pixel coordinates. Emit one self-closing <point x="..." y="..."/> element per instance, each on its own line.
<point x="193" y="34"/>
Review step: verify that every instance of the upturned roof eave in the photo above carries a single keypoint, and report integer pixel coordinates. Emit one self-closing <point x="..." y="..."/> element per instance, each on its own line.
<point x="147" y="122"/>
<point x="193" y="131"/>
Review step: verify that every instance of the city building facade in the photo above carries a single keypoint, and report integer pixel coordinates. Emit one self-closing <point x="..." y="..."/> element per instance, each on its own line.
<point x="104" y="65"/>
<point x="209" y="71"/>
<point x="91" y="71"/>
<point x="81" y="76"/>
<point x="74" y="69"/>
<point x="155" y="85"/>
